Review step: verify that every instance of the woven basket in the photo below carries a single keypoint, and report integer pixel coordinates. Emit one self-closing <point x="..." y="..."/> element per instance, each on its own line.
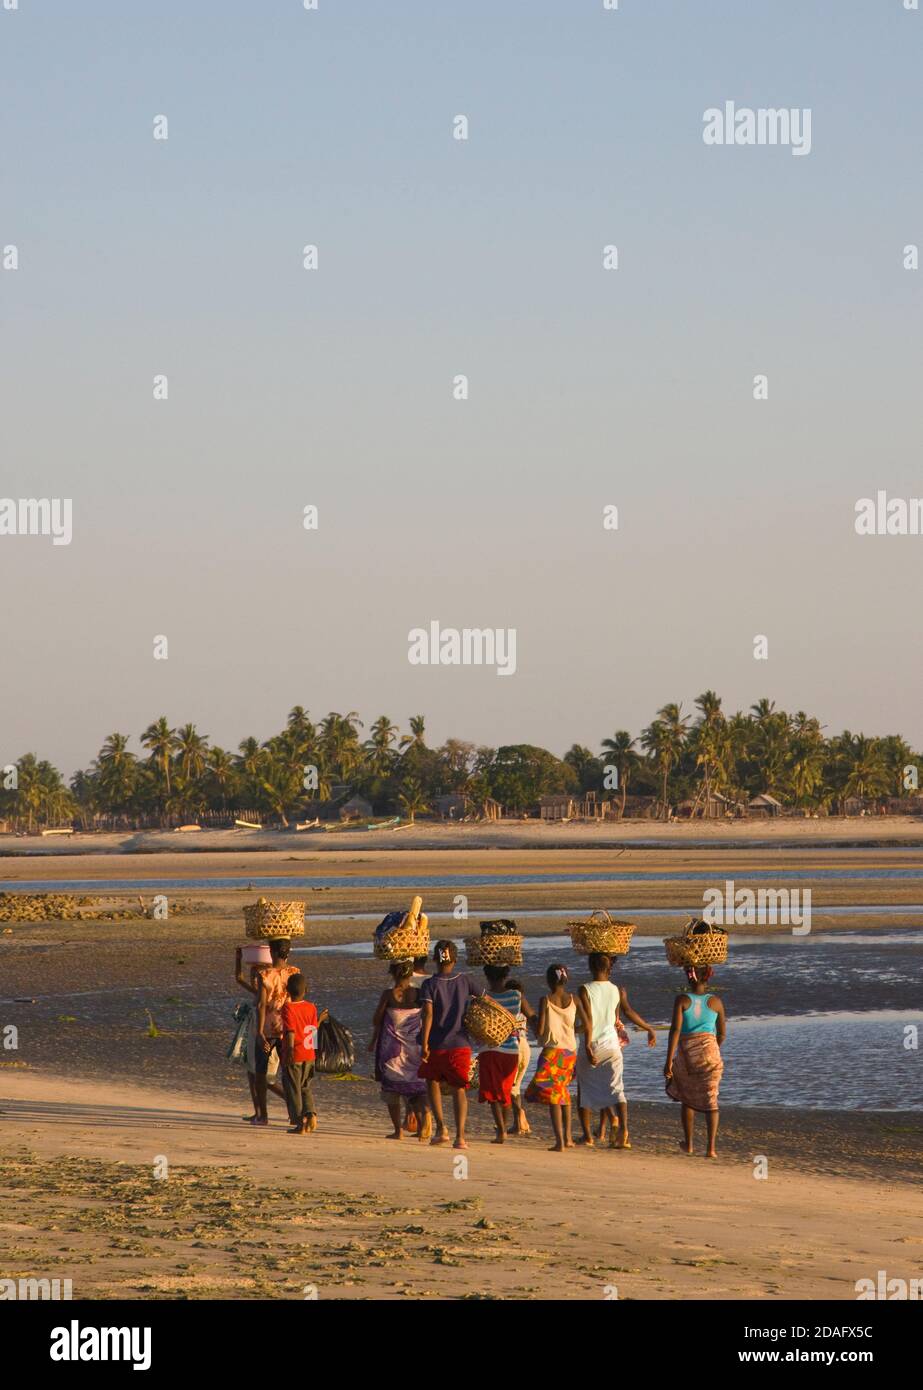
<point x="488" y="1022"/>
<point x="406" y="941"/>
<point x="494" y="950"/>
<point x="265" y="919"/>
<point x="600" y="933"/>
<point x="702" y="943"/>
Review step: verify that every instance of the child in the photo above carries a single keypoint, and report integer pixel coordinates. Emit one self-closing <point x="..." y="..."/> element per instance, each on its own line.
<point x="694" y="1062"/>
<point x="497" y="1066"/>
<point x="599" y="1066"/>
<point x="550" y="1085"/>
<point x="299" y="1023"/>
<point x="520" y="1125"/>
<point x="446" y="1047"/>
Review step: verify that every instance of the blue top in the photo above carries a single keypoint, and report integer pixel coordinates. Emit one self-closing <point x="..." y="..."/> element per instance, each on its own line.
<point x="511" y="1000"/>
<point x="699" y="1018"/>
<point x="449" y="995"/>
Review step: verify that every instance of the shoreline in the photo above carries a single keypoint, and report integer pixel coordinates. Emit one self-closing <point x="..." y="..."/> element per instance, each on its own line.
<point x="782" y="833"/>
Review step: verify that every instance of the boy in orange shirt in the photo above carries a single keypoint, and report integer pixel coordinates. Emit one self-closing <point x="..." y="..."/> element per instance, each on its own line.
<point x="300" y="1021"/>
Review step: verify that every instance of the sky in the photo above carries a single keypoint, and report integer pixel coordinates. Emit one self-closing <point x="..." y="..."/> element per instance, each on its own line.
<point x="437" y="257"/>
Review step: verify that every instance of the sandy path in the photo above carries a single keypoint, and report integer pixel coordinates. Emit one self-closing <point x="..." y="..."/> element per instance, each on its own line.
<point x="356" y="1217"/>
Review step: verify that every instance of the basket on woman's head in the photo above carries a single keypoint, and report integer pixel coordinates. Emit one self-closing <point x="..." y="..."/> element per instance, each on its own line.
<point x="601" y="933"/>
<point x="265" y="920"/>
<point x="499" y="944"/>
<point x="488" y="1022"/>
<point x="700" y="943"/>
<point x="403" y="935"/>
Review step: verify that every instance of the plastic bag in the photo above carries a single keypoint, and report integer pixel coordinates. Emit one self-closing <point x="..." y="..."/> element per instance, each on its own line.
<point x="335" y="1051"/>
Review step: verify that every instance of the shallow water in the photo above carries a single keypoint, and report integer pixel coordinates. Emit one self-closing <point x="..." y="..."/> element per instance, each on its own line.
<point x="404" y="883"/>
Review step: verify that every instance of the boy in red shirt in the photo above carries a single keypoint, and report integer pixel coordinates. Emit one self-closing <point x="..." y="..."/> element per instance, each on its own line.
<point x="299" y="1029"/>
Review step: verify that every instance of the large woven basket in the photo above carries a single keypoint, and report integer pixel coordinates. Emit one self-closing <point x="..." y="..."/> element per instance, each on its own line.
<point x="494" y="950"/>
<point x="600" y="933"/>
<point x="406" y="941"/>
<point x="265" y="919"/>
<point x="701" y="943"/>
<point x="487" y="1022"/>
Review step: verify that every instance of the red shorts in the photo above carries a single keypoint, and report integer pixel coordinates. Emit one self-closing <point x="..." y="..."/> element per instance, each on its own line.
<point x="497" y="1071"/>
<point x="451" y="1065"/>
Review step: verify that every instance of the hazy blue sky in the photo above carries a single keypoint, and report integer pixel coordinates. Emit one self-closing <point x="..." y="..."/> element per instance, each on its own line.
<point x="439" y="257"/>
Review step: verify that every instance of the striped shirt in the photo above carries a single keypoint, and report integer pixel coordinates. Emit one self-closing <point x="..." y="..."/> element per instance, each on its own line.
<point x="511" y="1000"/>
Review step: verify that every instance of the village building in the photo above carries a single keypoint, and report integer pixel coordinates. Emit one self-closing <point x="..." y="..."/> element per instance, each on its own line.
<point x="764" y="807"/>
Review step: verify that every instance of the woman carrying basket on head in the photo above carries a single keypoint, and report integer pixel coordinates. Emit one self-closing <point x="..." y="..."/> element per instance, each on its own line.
<point x="396" y="1044"/>
<point x="694" y="1063"/>
<point x="599" y="1065"/>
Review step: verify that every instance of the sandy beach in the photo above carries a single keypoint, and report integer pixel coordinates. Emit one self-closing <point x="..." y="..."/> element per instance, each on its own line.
<point x="531" y="834"/>
<point x="363" y="1219"/>
<point x="92" y="1096"/>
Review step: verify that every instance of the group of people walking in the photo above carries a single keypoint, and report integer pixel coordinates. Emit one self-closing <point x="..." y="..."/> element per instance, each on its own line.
<point x="423" y="1053"/>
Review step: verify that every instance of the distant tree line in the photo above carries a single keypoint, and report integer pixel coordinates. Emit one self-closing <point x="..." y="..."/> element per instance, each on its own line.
<point x="307" y="767"/>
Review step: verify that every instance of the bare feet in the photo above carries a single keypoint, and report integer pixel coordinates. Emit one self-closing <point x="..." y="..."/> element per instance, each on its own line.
<point x="426" y="1129"/>
<point x="555" y="1148"/>
<point x="460" y="1143"/>
<point x="398" y="1135"/>
<point x="440" y="1137"/>
<point x="499" y="1138"/>
<point x="711" y="1154"/>
<point x="312" y="1124"/>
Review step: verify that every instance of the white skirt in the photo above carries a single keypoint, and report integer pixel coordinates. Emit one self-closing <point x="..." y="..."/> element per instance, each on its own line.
<point x="601" y="1086"/>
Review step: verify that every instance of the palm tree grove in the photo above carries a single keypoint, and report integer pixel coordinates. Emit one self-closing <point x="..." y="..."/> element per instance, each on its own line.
<point x="310" y="769"/>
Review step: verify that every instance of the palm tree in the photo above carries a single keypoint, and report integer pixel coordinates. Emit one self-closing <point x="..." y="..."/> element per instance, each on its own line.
<point x="222" y="773"/>
<point x="116" y="774"/>
<point x="417" y="728"/>
<point x="710" y="740"/>
<point x="160" y="739"/>
<point x="300" y="724"/>
<point x="380" y="755"/>
<point x="411" y="798"/>
<point x="620" y="750"/>
<point x="340" y="742"/>
<point x="192" y="749"/>
<point x="663" y="740"/>
<point x="868" y="773"/>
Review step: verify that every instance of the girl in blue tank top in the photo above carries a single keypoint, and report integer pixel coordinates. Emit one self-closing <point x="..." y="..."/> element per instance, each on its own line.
<point x="694" y="1063"/>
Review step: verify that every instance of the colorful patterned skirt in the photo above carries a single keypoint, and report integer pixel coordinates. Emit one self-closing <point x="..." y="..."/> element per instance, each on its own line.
<point x="697" y="1069"/>
<point x="554" y="1073"/>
